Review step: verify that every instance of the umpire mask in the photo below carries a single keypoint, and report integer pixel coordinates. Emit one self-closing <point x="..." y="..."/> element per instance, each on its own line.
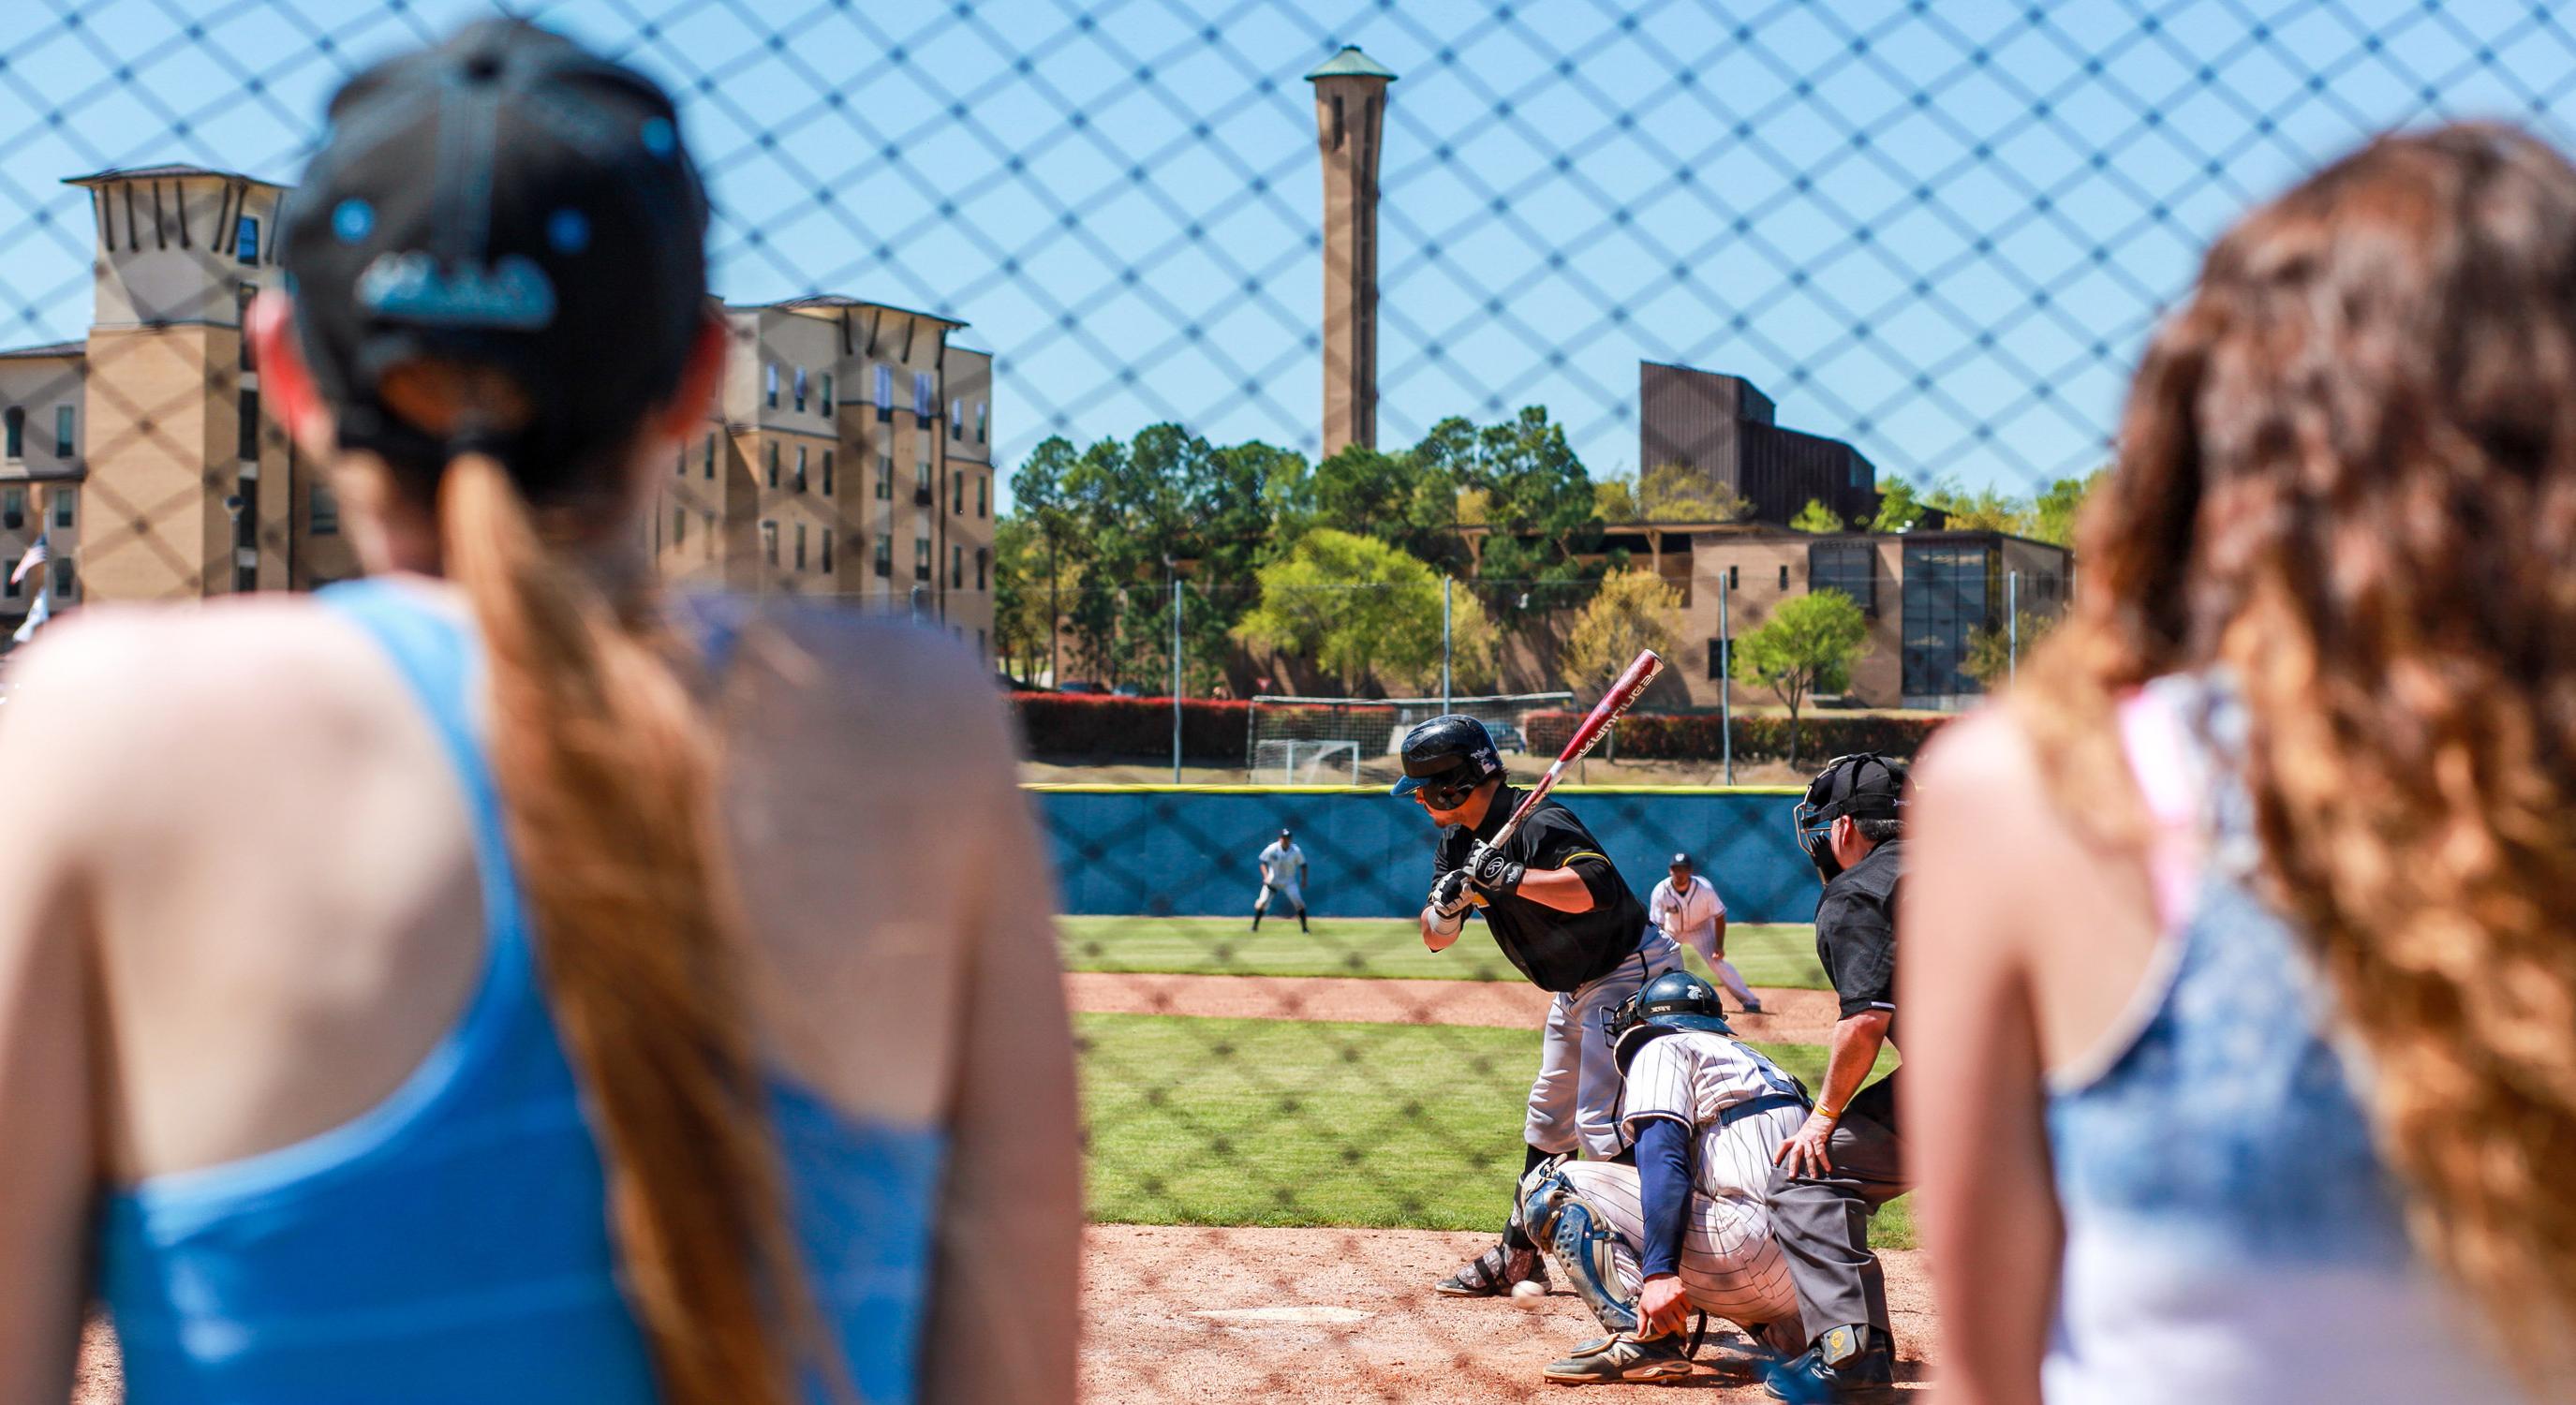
<point x="1864" y="786"/>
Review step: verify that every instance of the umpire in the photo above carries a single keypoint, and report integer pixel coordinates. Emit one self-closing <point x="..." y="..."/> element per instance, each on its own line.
<point x="1847" y="1159"/>
<point x="1562" y="914"/>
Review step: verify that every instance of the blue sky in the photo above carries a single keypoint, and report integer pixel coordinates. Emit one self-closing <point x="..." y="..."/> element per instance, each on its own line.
<point x="1940" y="230"/>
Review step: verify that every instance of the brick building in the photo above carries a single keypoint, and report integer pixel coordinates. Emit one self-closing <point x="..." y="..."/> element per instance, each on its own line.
<point x="848" y="454"/>
<point x="1721" y="428"/>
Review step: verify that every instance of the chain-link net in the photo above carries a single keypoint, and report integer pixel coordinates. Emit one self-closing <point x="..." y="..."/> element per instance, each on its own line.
<point x="1158" y="349"/>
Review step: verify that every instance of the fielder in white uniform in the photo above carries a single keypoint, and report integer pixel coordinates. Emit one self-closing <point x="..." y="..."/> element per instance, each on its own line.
<point x="1687" y="1227"/>
<point x="1283" y="871"/>
<point x="1689" y="910"/>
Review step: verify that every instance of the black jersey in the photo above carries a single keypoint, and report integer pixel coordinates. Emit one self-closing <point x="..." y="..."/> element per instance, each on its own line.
<point x="1558" y="951"/>
<point x="1856" y="932"/>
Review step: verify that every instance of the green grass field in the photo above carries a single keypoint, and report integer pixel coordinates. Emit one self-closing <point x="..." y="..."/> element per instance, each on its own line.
<point x="1280" y="1122"/>
<point x="1777" y="955"/>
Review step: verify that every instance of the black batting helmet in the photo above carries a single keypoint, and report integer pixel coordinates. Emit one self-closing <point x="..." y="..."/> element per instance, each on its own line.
<point x="1447" y="758"/>
<point x="1675" y="1000"/>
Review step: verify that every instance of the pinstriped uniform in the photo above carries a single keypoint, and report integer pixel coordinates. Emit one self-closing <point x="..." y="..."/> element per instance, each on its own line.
<point x="1730" y="1267"/>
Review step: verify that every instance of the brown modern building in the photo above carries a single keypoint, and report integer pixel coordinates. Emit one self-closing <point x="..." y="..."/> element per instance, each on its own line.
<point x="1924" y="593"/>
<point x="1350" y="116"/>
<point x="1721" y="427"/>
<point x="849" y="454"/>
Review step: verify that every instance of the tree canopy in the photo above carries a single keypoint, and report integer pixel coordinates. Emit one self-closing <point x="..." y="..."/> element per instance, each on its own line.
<point x="1807" y="646"/>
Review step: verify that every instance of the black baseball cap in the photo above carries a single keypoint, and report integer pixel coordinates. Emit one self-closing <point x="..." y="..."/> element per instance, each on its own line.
<point x="1679" y="861"/>
<point x="506" y="199"/>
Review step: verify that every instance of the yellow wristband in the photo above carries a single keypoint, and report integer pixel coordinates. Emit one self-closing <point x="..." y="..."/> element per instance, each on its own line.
<point x="1830" y="1114"/>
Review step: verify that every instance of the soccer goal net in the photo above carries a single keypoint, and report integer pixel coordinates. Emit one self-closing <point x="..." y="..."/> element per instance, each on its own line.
<point x="1347" y="741"/>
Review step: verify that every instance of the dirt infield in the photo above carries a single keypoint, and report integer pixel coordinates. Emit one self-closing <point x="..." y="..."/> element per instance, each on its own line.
<point x="1188" y="1315"/>
<point x="1184" y="1315"/>
<point x="1789" y="1016"/>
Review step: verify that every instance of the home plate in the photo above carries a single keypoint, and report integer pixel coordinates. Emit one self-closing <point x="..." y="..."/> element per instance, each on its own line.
<point x="1285" y="1316"/>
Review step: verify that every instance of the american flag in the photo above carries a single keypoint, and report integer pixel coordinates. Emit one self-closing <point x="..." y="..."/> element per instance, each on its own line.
<point x="35" y="557"/>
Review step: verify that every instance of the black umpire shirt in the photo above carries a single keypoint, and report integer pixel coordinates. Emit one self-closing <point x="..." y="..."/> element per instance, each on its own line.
<point x="1558" y="951"/>
<point x="1856" y="933"/>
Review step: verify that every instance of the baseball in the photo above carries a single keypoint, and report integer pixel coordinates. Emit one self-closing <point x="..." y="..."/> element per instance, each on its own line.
<point x="1529" y="1288"/>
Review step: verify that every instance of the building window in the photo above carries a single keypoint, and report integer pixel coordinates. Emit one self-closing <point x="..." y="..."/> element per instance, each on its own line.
<point x="13" y="508"/>
<point x="983" y="495"/>
<point x="983" y="559"/>
<point x="1949" y="594"/>
<point x="1735" y="577"/>
<point x="979" y="421"/>
<point x="800" y="468"/>
<point x="827" y="551"/>
<point x="249" y="445"/>
<point x="66" y="506"/>
<point x="322" y="510"/>
<point x="769" y="382"/>
<point x="885" y="394"/>
<point x="925" y="398"/>
<point x="956" y="567"/>
<point x="769" y="542"/>
<point x="1850" y="567"/>
<point x="773" y="464"/>
<point x="885" y="475"/>
<point x="827" y="392"/>
<point x="921" y="558"/>
<point x="246" y="239"/>
<point x="1784" y="575"/>
<point x="800" y="390"/>
<point x="827" y="473"/>
<point x="956" y="419"/>
<point x="925" y="487"/>
<point x="711" y="457"/>
<point x="679" y="528"/>
<point x="1716" y="659"/>
<point x="707" y="523"/>
<point x="884" y="562"/>
<point x="8" y="585"/>
<point x="15" y="420"/>
<point x="66" y="585"/>
<point x="800" y="546"/>
<point x="62" y="431"/>
<point x="683" y="458"/>
<point x="957" y="492"/>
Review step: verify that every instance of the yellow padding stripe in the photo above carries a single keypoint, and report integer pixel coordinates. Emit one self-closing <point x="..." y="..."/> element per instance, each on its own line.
<point x="1090" y="788"/>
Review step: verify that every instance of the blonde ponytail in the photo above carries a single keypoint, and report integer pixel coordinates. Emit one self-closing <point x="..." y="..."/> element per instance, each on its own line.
<point x="607" y="774"/>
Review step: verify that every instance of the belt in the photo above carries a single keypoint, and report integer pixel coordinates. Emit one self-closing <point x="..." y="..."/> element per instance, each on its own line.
<point x="1764" y="1103"/>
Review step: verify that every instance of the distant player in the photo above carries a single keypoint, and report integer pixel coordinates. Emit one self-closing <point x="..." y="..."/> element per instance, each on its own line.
<point x="1561" y="914"/>
<point x="1685" y="1228"/>
<point x="1283" y="871"/>
<point x="1689" y="910"/>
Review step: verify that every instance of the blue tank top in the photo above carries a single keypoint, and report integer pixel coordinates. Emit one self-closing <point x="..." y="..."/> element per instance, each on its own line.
<point x="451" y="1243"/>
<point x="2232" y="1236"/>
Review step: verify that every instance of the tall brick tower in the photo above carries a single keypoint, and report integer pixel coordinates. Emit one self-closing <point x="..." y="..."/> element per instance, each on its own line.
<point x="1350" y="110"/>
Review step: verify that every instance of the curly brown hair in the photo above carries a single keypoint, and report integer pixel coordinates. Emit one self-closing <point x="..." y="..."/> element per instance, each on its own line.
<point x="2347" y="474"/>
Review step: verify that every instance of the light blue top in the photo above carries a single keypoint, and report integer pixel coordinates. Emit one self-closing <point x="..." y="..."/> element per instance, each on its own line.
<point x="2232" y="1236"/>
<point x="452" y="1244"/>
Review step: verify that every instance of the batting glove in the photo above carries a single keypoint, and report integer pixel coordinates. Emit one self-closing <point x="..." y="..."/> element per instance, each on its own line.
<point x="1491" y="873"/>
<point x="1449" y="894"/>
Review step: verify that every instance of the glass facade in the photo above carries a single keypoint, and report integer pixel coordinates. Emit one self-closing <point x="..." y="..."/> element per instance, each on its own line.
<point x="1952" y="589"/>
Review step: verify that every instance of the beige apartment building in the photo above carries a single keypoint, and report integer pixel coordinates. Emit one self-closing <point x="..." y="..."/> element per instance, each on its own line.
<point x="849" y="454"/>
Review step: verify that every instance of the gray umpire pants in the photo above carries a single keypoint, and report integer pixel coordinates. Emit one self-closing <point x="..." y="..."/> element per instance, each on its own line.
<point x="1821" y="1223"/>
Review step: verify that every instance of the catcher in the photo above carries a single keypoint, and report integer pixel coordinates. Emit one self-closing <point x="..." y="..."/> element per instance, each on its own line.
<point x="1687" y="1227"/>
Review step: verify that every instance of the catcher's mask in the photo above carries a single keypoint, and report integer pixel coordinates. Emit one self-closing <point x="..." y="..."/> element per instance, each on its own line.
<point x="1865" y="785"/>
<point x="1675" y="1000"/>
<point x="1446" y="758"/>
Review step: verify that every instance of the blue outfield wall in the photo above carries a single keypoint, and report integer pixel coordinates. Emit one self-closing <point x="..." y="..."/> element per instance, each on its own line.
<point x="1188" y="851"/>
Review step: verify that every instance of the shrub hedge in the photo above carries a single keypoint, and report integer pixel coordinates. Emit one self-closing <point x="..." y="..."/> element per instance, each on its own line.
<point x="1697" y="736"/>
<point x="1101" y="727"/>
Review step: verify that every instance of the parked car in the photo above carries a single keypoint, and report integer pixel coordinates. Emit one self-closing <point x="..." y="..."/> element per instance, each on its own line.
<point x="1081" y="685"/>
<point x="1507" y="737"/>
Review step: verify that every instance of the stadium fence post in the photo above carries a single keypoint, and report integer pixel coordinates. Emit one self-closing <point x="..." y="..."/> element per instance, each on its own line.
<point x="1448" y="585"/>
<point x="2012" y="627"/>
<point x="1725" y="683"/>
<point x="1176" y="675"/>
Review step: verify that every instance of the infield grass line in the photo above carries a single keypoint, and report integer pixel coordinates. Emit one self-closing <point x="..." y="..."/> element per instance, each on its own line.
<point x="1769" y="954"/>
<point x="1200" y="1121"/>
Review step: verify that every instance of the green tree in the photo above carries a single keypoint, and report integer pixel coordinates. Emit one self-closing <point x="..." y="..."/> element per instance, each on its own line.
<point x="1632" y="611"/>
<point x="1817" y="518"/>
<point x="1898" y="507"/>
<point x="1992" y="651"/>
<point x="1038" y="500"/>
<point x="1807" y="647"/>
<point x="2054" y="514"/>
<point x="1985" y="510"/>
<point x="1353" y="608"/>
<point x="1022" y="624"/>
<point x="1615" y="499"/>
<point x="1675" y="492"/>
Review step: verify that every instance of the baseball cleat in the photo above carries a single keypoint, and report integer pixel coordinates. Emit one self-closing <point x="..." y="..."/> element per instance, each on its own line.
<point x="1753" y="1007"/>
<point x="1613" y="1359"/>
<point x="1492" y="1273"/>
<point x="1866" y="1376"/>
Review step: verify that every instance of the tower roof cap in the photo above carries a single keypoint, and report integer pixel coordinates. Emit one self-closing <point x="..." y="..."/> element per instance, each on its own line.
<point x="1351" y="63"/>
